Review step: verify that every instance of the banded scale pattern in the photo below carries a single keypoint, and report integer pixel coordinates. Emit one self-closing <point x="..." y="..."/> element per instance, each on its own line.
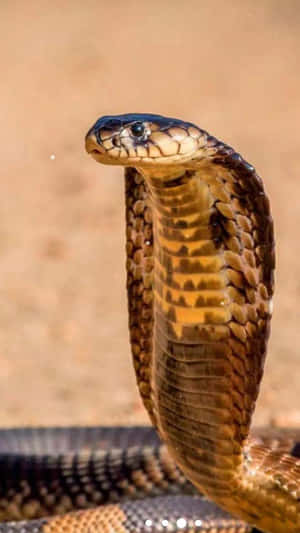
<point x="57" y="470"/>
<point x="53" y="471"/>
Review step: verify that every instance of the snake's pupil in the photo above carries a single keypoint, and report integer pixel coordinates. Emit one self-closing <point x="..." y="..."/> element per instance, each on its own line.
<point x="138" y="129"/>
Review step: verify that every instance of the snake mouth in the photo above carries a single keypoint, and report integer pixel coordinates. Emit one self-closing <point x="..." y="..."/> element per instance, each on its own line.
<point x="93" y="148"/>
<point x="91" y="143"/>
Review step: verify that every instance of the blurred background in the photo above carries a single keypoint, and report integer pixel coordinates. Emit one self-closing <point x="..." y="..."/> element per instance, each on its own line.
<point x="231" y="67"/>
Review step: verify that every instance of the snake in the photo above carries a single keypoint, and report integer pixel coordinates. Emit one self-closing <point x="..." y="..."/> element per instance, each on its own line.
<point x="200" y="275"/>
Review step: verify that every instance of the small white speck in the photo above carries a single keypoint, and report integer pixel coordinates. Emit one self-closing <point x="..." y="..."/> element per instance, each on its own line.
<point x="252" y="471"/>
<point x="147" y="243"/>
<point x="181" y="523"/>
<point x="165" y="523"/>
<point x="52" y="157"/>
<point x="148" y="523"/>
<point x="198" y="523"/>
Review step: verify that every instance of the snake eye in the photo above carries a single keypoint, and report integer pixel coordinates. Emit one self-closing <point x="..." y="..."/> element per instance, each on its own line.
<point x="138" y="129"/>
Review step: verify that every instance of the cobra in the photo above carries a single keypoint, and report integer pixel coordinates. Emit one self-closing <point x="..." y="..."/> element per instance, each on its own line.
<point x="200" y="251"/>
<point x="200" y="261"/>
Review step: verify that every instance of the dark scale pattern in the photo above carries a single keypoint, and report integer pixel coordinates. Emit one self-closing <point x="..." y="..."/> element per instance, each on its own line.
<point x="139" y="248"/>
<point x="61" y="480"/>
<point x="248" y="187"/>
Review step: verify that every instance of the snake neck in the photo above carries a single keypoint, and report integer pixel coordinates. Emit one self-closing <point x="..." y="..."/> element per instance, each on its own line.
<point x="200" y="251"/>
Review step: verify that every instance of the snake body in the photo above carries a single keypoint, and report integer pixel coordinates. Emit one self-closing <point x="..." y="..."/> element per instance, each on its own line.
<point x="200" y="261"/>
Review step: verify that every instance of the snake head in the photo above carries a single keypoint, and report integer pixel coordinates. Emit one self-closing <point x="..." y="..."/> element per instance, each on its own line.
<point x="143" y="140"/>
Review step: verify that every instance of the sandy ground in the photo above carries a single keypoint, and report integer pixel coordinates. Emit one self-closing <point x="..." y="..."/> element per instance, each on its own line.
<point x="233" y="68"/>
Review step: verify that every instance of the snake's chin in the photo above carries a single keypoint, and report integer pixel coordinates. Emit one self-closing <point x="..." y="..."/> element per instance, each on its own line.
<point x="102" y="157"/>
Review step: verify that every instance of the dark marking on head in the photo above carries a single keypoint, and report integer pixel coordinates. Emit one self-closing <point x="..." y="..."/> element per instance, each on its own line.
<point x="189" y="285"/>
<point x="113" y="122"/>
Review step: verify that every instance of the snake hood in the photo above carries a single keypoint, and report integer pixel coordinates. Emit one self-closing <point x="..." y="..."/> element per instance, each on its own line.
<point x="147" y="139"/>
<point x="200" y="261"/>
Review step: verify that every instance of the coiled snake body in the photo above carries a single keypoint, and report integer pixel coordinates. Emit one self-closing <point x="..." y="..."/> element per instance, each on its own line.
<point x="200" y="260"/>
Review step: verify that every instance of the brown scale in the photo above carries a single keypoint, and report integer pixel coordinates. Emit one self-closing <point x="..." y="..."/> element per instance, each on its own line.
<point x="139" y="280"/>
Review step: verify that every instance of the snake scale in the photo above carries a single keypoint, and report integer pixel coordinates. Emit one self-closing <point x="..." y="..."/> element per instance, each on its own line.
<point x="200" y="262"/>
